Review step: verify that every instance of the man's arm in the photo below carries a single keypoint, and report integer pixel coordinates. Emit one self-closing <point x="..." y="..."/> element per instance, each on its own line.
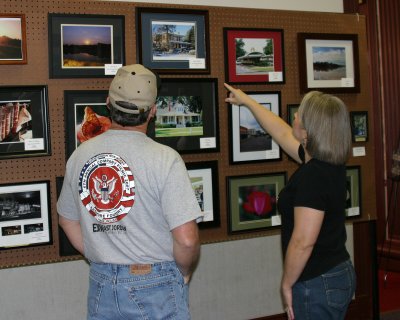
<point x="186" y="248"/>
<point x="72" y="229"/>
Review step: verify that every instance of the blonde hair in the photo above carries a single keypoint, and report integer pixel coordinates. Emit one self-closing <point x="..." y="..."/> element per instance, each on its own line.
<point x="327" y="123"/>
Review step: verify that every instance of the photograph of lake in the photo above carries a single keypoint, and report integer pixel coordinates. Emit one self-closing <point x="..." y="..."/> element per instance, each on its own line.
<point x="86" y="46"/>
<point x="10" y="39"/>
<point x="329" y="63"/>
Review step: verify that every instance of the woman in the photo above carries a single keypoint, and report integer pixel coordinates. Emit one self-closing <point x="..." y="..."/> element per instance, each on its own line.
<point x="318" y="278"/>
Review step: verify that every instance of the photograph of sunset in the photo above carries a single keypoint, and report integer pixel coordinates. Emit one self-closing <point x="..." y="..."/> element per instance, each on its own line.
<point x="88" y="46"/>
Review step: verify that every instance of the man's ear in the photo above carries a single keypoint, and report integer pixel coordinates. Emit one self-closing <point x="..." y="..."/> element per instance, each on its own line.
<point x="107" y="102"/>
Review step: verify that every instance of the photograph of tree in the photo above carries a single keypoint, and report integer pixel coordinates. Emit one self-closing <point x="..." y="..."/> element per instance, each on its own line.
<point x="88" y="46"/>
<point x="179" y="116"/>
<point x="254" y="56"/>
<point x="173" y="40"/>
<point x="329" y="63"/>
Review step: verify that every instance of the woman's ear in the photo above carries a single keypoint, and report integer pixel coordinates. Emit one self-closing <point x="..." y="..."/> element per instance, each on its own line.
<point x="107" y="102"/>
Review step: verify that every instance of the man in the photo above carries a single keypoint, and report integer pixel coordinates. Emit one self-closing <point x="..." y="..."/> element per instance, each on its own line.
<point x="128" y="206"/>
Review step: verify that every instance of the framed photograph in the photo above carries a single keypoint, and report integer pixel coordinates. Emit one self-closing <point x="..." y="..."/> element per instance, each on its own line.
<point x="84" y="45"/>
<point x="291" y="110"/>
<point x="353" y="185"/>
<point x="24" y="122"/>
<point x="252" y="201"/>
<point x="248" y="140"/>
<point x="359" y="125"/>
<point x="204" y="178"/>
<point x="254" y="55"/>
<point x="173" y="40"/>
<point x="13" y="39"/>
<point x="187" y="115"/>
<point x="328" y="62"/>
<point x="86" y="116"/>
<point x="25" y="218"/>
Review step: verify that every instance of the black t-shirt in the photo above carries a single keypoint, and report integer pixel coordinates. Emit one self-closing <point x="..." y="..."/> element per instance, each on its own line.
<point x="321" y="186"/>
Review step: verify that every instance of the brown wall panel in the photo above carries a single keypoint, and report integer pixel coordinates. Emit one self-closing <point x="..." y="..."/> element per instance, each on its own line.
<point x="37" y="71"/>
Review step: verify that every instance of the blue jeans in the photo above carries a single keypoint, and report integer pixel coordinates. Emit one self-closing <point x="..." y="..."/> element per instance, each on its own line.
<point x="327" y="296"/>
<point x="116" y="292"/>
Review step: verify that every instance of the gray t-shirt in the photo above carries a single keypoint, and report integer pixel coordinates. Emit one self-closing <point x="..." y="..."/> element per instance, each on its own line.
<point x="128" y="192"/>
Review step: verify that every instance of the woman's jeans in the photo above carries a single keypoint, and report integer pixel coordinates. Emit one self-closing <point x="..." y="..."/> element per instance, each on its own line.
<point x="327" y="296"/>
<point x="154" y="291"/>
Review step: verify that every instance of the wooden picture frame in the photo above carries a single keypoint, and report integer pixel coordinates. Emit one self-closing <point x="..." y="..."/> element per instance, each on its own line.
<point x="204" y="178"/>
<point x="359" y="126"/>
<point x="254" y="56"/>
<point x="26" y="216"/>
<point x="83" y="45"/>
<point x="248" y="140"/>
<point x="24" y="121"/>
<point x="13" y="39"/>
<point x="172" y="41"/>
<point x="78" y="104"/>
<point x="328" y="62"/>
<point x="353" y="185"/>
<point x="187" y="115"/>
<point x="252" y="201"/>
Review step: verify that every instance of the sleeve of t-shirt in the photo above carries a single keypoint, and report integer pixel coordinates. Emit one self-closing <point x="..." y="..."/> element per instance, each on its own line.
<point x="311" y="191"/>
<point x="179" y="203"/>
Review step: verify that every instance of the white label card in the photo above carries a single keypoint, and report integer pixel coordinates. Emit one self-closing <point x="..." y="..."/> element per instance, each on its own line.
<point x="275" y="76"/>
<point x="347" y="82"/>
<point x="111" y="69"/>
<point x="206" y="143"/>
<point x="197" y="63"/>
<point x="34" y="144"/>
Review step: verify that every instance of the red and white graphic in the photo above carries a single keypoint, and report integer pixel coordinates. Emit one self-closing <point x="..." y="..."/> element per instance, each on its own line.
<point x="107" y="187"/>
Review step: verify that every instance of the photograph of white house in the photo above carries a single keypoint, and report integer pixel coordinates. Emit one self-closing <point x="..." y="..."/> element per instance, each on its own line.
<point x="179" y="116"/>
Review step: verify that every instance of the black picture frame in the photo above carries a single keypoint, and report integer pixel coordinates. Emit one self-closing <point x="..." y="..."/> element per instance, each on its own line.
<point x="246" y="60"/>
<point x="24" y="121"/>
<point x="93" y="57"/>
<point x="252" y="201"/>
<point x="291" y="110"/>
<point x="359" y="126"/>
<point x="65" y="247"/>
<point x="76" y="103"/>
<point x="204" y="178"/>
<point x="13" y="47"/>
<point x="26" y="216"/>
<point x="187" y="53"/>
<point x="353" y="198"/>
<point x="318" y="70"/>
<point x="180" y="128"/>
<point x="248" y="140"/>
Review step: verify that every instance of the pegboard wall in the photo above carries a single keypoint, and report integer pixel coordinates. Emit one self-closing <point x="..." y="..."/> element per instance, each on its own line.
<point x="36" y="72"/>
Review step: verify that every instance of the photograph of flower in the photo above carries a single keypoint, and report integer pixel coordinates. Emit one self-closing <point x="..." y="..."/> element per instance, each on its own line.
<point x="179" y="116"/>
<point x="249" y="141"/>
<point x="86" y="46"/>
<point x="252" y="201"/>
<point x="12" y="39"/>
